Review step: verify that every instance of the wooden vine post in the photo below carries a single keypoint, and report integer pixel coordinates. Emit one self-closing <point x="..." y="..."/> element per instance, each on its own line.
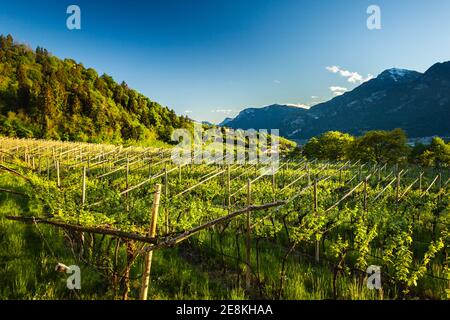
<point x="83" y="192"/>
<point x="397" y="188"/>
<point x="365" y="193"/>
<point x="149" y="255"/>
<point x="420" y="182"/>
<point x="315" y="210"/>
<point x="166" y="182"/>
<point x="247" y="269"/>
<point x="273" y="183"/>
<point x="48" y="169"/>
<point x="166" y="198"/>
<point x="315" y="195"/>
<point x="228" y="187"/>
<point x="309" y="174"/>
<point x="53" y="154"/>
<point x="127" y="178"/>
<point x="58" y="174"/>
<point x="89" y="164"/>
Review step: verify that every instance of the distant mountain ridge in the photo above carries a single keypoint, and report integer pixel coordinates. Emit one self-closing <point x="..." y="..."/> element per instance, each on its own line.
<point x="272" y="117"/>
<point x="417" y="102"/>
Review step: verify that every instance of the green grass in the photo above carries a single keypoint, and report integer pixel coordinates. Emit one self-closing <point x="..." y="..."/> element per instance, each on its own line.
<point x="206" y="266"/>
<point x="29" y="254"/>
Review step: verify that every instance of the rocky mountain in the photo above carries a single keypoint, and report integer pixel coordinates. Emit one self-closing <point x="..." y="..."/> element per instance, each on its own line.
<point x="417" y="102"/>
<point x="275" y="116"/>
<point x="225" y="121"/>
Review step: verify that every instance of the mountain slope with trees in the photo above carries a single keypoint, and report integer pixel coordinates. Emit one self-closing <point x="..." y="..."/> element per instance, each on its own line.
<point x="276" y="116"/>
<point x="42" y="96"/>
<point x="419" y="103"/>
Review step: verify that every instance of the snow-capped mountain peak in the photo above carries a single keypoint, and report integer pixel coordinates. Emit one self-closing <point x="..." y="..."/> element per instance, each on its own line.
<point x="397" y="74"/>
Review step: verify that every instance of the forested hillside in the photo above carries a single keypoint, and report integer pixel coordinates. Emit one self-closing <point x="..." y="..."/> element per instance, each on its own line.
<point x="42" y="96"/>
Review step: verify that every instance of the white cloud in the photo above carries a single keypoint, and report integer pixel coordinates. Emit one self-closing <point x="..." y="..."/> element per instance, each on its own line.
<point x="224" y="111"/>
<point x="337" y="91"/>
<point x="334" y="69"/>
<point x="277" y="81"/>
<point x="352" y="77"/>
<point x="314" y="97"/>
<point x="187" y="111"/>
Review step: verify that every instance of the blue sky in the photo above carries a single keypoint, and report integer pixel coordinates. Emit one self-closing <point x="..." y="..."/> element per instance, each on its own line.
<point x="212" y="58"/>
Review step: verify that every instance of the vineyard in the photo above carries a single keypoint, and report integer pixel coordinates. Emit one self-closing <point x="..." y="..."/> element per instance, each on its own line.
<point x="141" y="227"/>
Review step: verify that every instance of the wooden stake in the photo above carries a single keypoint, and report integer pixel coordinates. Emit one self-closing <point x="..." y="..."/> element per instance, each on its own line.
<point x="166" y="218"/>
<point x="57" y="174"/>
<point x="149" y="255"/>
<point x="397" y="188"/>
<point x="309" y="176"/>
<point x="317" y="251"/>
<point x="127" y="178"/>
<point x="166" y="183"/>
<point x="420" y="182"/>
<point x="273" y="183"/>
<point x="365" y="194"/>
<point x="89" y="164"/>
<point x="166" y="199"/>
<point x="229" y="187"/>
<point x="315" y="210"/>
<point x="247" y="269"/>
<point x="83" y="195"/>
<point x="315" y="195"/>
